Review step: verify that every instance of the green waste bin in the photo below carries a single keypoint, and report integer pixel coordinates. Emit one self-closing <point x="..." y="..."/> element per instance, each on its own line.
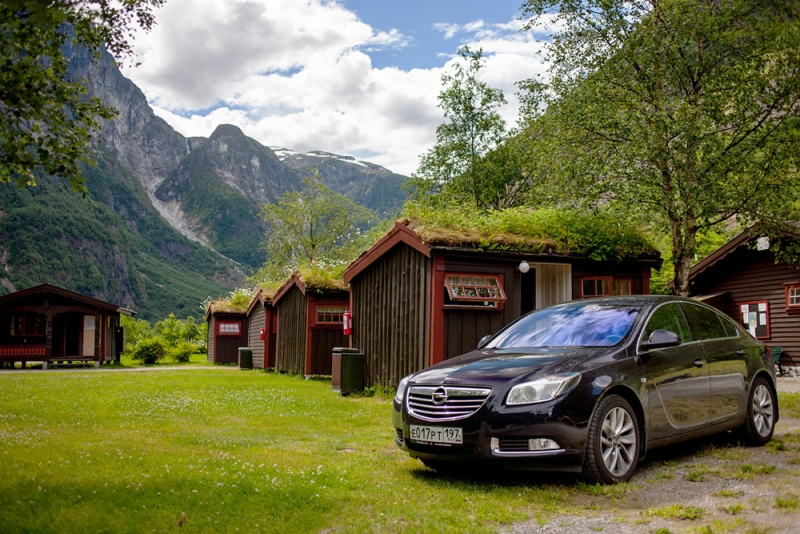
<point x="245" y="358"/>
<point x="347" y="370"/>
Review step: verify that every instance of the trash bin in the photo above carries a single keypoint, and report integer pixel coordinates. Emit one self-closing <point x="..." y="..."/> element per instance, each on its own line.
<point x="245" y="358"/>
<point x="347" y="370"/>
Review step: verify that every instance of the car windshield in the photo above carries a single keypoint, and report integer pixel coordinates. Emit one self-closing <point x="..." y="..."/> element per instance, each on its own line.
<point x="569" y="325"/>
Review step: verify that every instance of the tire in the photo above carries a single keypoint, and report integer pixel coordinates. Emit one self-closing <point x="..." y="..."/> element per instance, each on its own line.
<point x="613" y="443"/>
<point x="759" y="423"/>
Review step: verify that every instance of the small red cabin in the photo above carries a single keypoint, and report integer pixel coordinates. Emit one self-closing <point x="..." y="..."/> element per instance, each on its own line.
<point x="263" y="323"/>
<point x="743" y="280"/>
<point x="49" y="324"/>
<point x="227" y="332"/>
<point x="310" y="325"/>
<point x="417" y="301"/>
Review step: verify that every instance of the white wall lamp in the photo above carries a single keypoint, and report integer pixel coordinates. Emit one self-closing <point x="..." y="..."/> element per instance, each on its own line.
<point x="523" y="267"/>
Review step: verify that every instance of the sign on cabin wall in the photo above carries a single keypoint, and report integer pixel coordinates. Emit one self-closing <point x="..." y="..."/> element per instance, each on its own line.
<point x="88" y="335"/>
<point x="755" y="318"/>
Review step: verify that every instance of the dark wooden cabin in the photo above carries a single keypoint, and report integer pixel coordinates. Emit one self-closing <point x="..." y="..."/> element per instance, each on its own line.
<point x="309" y="325"/>
<point x="263" y="329"/>
<point x="742" y="279"/>
<point x="227" y="332"/>
<point x="49" y="324"/>
<point x="416" y="303"/>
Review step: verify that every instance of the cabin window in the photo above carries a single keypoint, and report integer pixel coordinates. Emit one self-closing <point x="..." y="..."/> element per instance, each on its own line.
<point x="28" y="325"/>
<point x="330" y="314"/>
<point x="621" y="287"/>
<point x="754" y="317"/>
<point x="471" y="289"/>
<point x="792" y="295"/>
<point x="599" y="286"/>
<point x="229" y="328"/>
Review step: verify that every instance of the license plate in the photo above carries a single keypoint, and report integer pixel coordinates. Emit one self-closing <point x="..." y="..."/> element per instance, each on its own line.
<point x="437" y="434"/>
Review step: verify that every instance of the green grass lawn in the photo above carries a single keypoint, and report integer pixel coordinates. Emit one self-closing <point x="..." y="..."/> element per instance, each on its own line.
<point x="195" y="360"/>
<point x="236" y="451"/>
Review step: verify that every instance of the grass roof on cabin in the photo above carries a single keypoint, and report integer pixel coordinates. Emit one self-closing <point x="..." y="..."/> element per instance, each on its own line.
<point x="226" y="306"/>
<point x="321" y="278"/>
<point x="597" y="236"/>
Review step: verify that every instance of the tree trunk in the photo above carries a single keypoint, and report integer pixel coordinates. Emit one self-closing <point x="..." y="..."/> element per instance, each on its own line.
<point x="684" y="236"/>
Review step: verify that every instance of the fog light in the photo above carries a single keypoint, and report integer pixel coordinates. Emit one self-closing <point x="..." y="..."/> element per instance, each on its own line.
<point x="542" y="444"/>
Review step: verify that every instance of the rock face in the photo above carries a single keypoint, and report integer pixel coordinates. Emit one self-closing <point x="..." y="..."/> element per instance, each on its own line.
<point x="142" y="142"/>
<point x="371" y="185"/>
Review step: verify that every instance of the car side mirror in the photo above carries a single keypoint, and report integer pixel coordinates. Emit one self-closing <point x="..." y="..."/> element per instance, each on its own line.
<point x="484" y="340"/>
<point x="661" y="339"/>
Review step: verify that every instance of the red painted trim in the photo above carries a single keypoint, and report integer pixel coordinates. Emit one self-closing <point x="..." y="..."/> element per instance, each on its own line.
<point x="629" y="280"/>
<point x="310" y="310"/>
<point x="436" y="342"/>
<point x="769" y="316"/>
<point x="400" y="233"/>
<point x="790" y="308"/>
<point x="646" y="280"/>
<point x="217" y="323"/>
<point x="498" y="277"/>
<point x="329" y="303"/>
<point x="610" y="281"/>
<point x="293" y="280"/>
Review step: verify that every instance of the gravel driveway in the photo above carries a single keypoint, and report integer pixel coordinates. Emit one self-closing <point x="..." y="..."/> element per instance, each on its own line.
<point x="704" y="486"/>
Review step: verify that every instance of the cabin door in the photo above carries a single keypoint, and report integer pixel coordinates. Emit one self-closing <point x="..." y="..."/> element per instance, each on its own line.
<point x="553" y="284"/>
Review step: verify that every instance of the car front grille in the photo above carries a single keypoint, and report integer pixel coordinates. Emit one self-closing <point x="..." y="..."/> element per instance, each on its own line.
<point x="513" y="444"/>
<point x="440" y="403"/>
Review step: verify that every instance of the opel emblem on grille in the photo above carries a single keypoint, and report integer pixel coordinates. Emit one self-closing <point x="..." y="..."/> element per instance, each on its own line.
<point x="439" y="396"/>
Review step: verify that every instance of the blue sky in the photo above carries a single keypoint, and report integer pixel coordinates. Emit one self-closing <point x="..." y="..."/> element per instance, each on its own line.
<point x="352" y="77"/>
<point x="420" y="20"/>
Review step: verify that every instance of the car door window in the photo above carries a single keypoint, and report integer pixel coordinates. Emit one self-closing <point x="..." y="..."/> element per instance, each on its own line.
<point x="705" y="324"/>
<point x="730" y="328"/>
<point x="668" y="317"/>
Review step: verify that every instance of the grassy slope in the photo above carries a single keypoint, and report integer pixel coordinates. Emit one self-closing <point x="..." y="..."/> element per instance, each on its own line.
<point x="114" y="247"/>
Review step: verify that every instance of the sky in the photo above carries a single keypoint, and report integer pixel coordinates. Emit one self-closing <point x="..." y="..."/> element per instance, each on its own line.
<point x="352" y="77"/>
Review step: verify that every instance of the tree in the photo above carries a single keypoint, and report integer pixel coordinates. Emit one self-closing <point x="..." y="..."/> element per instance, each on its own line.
<point x="46" y="121"/>
<point x="136" y="330"/>
<point x="170" y="330"/>
<point x="686" y="108"/>
<point x="471" y="129"/>
<point x="311" y="226"/>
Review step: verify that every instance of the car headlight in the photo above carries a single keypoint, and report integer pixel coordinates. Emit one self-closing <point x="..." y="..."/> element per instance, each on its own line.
<point x="542" y="389"/>
<point x="401" y="390"/>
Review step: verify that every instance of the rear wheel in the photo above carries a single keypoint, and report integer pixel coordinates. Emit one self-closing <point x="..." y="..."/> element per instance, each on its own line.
<point x="612" y="446"/>
<point x="759" y="424"/>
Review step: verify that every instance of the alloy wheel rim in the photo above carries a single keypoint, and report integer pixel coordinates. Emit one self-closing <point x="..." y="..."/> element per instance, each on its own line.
<point x="618" y="441"/>
<point x="763" y="413"/>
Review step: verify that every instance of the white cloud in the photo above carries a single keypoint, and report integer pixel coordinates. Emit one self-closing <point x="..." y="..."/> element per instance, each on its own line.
<point x="296" y="74"/>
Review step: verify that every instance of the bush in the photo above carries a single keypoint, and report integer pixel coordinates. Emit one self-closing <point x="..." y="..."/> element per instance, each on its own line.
<point x="183" y="352"/>
<point x="149" y="351"/>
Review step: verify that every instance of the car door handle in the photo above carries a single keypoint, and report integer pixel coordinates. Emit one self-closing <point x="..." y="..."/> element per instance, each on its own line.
<point x="740" y="352"/>
<point x="699" y="363"/>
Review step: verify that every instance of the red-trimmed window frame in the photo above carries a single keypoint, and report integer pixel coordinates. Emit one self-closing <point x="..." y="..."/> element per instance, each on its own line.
<point x="220" y="333"/>
<point x="23" y="320"/>
<point x="746" y="326"/>
<point x="615" y="280"/>
<point x="462" y="300"/>
<point x="338" y="305"/>
<point x="596" y="279"/>
<point x="787" y="287"/>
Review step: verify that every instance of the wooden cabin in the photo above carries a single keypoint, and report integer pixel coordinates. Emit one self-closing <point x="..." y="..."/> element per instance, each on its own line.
<point x="263" y="329"/>
<point x="742" y="279"/>
<point x="227" y="332"/>
<point x="49" y="324"/>
<point x="416" y="302"/>
<point x="310" y="325"/>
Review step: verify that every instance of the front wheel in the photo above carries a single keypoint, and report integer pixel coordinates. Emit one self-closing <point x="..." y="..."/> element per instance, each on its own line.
<point x="612" y="447"/>
<point x="759" y="424"/>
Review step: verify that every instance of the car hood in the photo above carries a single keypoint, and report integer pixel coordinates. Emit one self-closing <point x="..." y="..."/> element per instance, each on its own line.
<point x="496" y="366"/>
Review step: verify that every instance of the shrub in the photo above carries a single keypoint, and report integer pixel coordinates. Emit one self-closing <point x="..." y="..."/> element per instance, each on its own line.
<point x="149" y="351"/>
<point x="183" y="352"/>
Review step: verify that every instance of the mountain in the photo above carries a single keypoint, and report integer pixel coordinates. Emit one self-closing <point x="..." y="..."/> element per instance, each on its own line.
<point x="113" y="246"/>
<point x="373" y="186"/>
<point x="169" y="221"/>
<point x="219" y="188"/>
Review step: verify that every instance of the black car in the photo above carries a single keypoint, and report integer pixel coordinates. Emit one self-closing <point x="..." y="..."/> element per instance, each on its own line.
<point x="590" y="386"/>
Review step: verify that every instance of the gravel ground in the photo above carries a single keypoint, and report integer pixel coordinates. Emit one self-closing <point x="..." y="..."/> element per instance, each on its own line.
<point x="704" y="486"/>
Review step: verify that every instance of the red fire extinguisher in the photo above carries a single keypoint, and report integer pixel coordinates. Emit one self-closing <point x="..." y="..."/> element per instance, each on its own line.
<point x="261" y="334"/>
<point x="347" y="320"/>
